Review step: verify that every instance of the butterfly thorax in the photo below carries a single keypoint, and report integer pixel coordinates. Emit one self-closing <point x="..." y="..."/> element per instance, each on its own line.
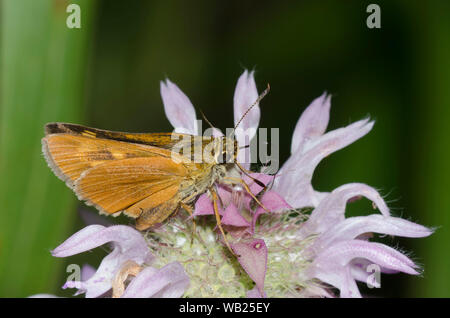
<point x="215" y="168"/>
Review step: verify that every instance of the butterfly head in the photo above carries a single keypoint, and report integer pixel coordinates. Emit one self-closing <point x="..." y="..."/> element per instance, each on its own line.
<point x="225" y="150"/>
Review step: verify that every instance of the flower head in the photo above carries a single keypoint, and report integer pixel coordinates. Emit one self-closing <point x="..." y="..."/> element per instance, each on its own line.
<point x="303" y="247"/>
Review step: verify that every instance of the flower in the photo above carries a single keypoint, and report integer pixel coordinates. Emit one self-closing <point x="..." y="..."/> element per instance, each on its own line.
<point x="305" y="246"/>
<point x="130" y="251"/>
<point x="324" y="248"/>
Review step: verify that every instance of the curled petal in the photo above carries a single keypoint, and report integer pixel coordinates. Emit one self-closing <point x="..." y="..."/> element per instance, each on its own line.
<point x="334" y="264"/>
<point x="340" y="138"/>
<point x="171" y="281"/>
<point x="294" y="178"/>
<point x="128" y="245"/>
<point x="245" y="95"/>
<point x="312" y="123"/>
<point x="339" y="255"/>
<point x="179" y="109"/>
<point x="252" y="255"/>
<point x="93" y="236"/>
<point x="80" y="241"/>
<point x="331" y="209"/>
<point x="353" y="227"/>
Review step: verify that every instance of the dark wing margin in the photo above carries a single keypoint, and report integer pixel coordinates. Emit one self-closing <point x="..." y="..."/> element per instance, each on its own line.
<point x="160" y="140"/>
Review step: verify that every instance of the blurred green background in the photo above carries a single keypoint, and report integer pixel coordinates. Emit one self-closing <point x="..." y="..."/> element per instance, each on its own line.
<point x="107" y="75"/>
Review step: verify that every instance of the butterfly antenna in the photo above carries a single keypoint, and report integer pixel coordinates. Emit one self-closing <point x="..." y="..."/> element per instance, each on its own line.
<point x="206" y="119"/>
<point x="244" y="171"/>
<point x="264" y="93"/>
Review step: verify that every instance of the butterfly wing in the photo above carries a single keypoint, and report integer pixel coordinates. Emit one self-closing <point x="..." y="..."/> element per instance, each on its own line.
<point x="137" y="174"/>
<point x="133" y="185"/>
<point x="70" y="155"/>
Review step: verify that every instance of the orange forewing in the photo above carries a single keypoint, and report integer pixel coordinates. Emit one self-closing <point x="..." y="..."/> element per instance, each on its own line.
<point x="70" y="155"/>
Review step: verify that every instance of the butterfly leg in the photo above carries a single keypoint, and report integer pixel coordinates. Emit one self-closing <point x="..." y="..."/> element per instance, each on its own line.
<point x="242" y="168"/>
<point x="219" y="223"/>
<point x="191" y="213"/>
<point x="248" y="172"/>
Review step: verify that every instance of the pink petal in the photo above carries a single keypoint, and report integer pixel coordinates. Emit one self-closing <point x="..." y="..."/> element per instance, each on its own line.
<point x="331" y="209"/>
<point x="204" y="204"/>
<point x="252" y="255"/>
<point x="255" y="188"/>
<point x="353" y="227"/>
<point x="342" y="253"/>
<point x="349" y="288"/>
<point x="171" y="281"/>
<point x="245" y="95"/>
<point x="93" y="236"/>
<point x="87" y="271"/>
<point x="334" y="264"/>
<point x="293" y="181"/>
<point x="342" y="137"/>
<point x="179" y="109"/>
<point x="231" y="216"/>
<point x="312" y="123"/>
<point x="273" y="202"/>
<point x="128" y="245"/>
<point x="261" y="177"/>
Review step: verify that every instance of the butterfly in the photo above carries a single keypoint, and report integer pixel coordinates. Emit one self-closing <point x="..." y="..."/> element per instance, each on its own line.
<point x="146" y="176"/>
